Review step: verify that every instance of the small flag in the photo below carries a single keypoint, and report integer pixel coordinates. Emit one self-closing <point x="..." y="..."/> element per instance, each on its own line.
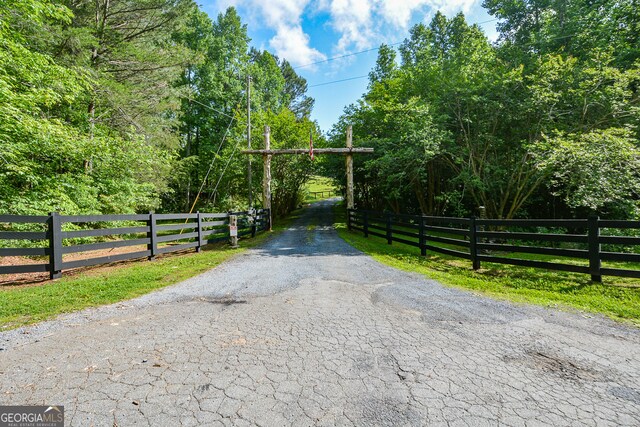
<point x="311" y="145"/>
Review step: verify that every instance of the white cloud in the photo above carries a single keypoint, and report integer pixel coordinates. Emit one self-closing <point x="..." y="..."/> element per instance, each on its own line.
<point x="285" y="18"/>
<point x="291" y="43"/>
<point x="399" y="12"/>
<point x="450" y="7"/>
<point x="360" y="24"/>
<point x="219" y="6"/>
<point x="352" y="19"/>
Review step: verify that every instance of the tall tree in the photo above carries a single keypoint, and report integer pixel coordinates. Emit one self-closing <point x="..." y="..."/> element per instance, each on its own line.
<point x="502" y="124"/>
<point x="573" y="27"/>
<point x="295" y="91"/>
<point x="45" y="138"/>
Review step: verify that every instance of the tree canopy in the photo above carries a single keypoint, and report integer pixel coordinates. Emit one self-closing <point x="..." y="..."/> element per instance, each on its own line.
<point x="119" y="106"/>
<point x="544" y="122"/>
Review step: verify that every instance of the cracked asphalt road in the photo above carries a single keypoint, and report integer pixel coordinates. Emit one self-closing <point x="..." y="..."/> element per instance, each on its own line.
<point x="306" y="330"/>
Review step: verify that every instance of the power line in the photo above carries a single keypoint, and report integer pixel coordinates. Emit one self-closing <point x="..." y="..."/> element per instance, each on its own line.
<point x="211" y="108"/>
<point x="531" y="44"/>
<point x="344" y="56"/>
<point x="215" y="190"/>
<point x="339" y="81"/>
<point x="372" y="49"/>
<point x="211" y="166"/>
<point x="365" y="51"/>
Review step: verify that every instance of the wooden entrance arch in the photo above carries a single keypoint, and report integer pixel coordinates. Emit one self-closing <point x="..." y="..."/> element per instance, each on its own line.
<point x="267" y="153"/>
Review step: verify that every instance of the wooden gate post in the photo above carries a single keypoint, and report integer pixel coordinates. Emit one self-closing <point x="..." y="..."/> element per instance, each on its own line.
<point x="152" y="235"/>
<point x="200" y="238"/>
<point x="349" y="161"/>
<point x="266" y="181"/>
<point x="267" y="153"/>
<point x="473" y="243"/>
<point x="595" y="263"/>
<point x="233" y="231"/>
<point x="55" y="246"/>
<point x="422" y="233"/>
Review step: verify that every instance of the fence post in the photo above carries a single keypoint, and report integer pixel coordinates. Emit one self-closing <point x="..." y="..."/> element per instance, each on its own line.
<point x="473" y="243"/>
<point x="366" y="223"/>
<point x="233" y="231"/>
<point x="253" y="214"/>
<point x="422" y="239"/>
<point x="594" y="248"/>
<point x="55" y="246"/>
<point x="389" y="233"/>
<point x="349" y="219"/>
<point x="152" y="234"/>
<point x="268" y="225"/>
<point x="199" y="247"/>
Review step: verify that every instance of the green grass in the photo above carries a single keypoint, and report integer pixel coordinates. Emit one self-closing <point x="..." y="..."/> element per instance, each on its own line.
<point x="318" y="183"/>
<point x="22" y="305"/>
<point x="617" y="298"/>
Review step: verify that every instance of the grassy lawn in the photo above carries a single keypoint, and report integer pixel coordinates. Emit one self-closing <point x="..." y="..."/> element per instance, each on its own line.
<point x="318" y="183"/>
<point x="618" y="298"/>
<point x="24" y="305"/>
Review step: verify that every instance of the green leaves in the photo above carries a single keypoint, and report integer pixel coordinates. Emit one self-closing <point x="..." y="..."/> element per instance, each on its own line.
<point x="592" y="169"/>
<point x="289" y="173"/>
<point x="54" y="156"/>
<point x="217" y="91"/>
<point x="486" y="112"/>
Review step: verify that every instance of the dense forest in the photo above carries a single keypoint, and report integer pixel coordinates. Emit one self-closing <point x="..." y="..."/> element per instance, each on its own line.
<point x="120" y="106"/>
<point x="542" y="123"/>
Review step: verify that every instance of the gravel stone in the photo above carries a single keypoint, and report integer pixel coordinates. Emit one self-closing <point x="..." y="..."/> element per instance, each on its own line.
<point x="306" y="330"/>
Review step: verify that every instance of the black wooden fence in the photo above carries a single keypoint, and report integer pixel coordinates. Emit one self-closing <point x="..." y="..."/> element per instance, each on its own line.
<point x="486" y="239"/>
<point x="159" y="233"/>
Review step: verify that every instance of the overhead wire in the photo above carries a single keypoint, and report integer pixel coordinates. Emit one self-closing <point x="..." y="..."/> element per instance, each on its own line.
<point x="530" y="44"/>
<point x="211" y="108"/>
<point x="215" y="189"/>
<point x="339" y="81"/>
<point x="361" y="52"/>
<point x="373" y="49"/>
<point x="224" y="137"/>
<point x="235" y="149"/>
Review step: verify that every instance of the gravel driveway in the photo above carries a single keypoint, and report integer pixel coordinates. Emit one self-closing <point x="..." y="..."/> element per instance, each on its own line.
<point x="306" y="330"/>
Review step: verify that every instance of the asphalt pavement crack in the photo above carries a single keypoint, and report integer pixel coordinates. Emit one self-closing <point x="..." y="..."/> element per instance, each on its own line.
<point x="306" y="330"/>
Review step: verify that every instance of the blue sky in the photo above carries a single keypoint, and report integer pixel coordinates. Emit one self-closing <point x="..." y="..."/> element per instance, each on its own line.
<point x="307" y="32"/>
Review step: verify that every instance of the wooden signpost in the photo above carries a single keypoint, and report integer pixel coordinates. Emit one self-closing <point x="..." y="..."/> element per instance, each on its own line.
<point x="268" y="153"/>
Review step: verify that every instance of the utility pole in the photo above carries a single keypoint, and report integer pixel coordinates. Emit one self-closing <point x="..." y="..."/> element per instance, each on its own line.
<point x="249" y="140"/>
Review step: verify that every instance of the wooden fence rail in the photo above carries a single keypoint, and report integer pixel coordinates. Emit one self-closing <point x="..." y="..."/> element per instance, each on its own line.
<point x="480" y="240"/>
<point x="157" y="233"/>
<point x="322" y="193"/>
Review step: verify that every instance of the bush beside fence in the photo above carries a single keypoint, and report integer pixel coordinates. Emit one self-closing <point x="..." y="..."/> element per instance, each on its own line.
<point x="161" y="233"/>
<point x="479" y="240"/>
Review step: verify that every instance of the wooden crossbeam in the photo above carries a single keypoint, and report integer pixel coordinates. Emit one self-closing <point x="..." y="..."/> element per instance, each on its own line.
<point x="267" y="153"/>
<point x="345" y="151"/>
